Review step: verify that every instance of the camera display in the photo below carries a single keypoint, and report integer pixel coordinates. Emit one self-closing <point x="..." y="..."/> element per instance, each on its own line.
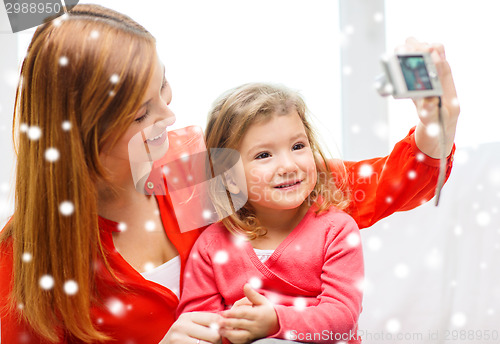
<point x="409" y="75"/>
<point x="415" y="73"/>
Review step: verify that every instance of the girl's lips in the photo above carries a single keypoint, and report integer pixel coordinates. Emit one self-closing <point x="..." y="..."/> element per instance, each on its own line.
<point x="288" y="185"/>
<point x="157" y="140"/>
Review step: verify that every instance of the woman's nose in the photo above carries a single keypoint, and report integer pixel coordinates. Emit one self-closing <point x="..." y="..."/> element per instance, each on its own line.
<point x="165" y="114"/>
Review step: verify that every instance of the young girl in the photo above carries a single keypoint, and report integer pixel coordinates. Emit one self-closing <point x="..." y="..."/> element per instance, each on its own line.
<point x="302" y="252"/>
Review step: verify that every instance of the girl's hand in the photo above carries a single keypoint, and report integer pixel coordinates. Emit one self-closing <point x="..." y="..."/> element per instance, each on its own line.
<point x="244" y="323"/>
<point x="427" y="108"/>
<point x="194" y="326"/>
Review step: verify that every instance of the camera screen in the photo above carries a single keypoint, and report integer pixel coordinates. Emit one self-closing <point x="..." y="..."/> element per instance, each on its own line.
<point x="415" y="73"/>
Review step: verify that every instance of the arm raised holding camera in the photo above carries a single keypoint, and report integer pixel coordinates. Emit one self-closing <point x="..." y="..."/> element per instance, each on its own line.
<point x="426" y="139"/>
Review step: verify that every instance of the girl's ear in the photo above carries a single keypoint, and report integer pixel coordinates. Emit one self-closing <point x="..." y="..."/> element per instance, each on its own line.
<point x="231" y="186"/>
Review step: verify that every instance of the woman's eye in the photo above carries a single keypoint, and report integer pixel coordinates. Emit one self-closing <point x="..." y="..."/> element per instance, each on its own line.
<point x="263" y="155"/>
<point x="142" y="118"/>
<point x="298" y="146"/>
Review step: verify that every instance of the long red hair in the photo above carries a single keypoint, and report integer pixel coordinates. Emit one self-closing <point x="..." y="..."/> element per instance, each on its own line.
<point x="88" y="70"/>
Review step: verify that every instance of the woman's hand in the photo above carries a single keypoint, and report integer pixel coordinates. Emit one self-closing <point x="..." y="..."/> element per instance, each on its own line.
<point x="250" y="318"/>
<point x="426" y="136"/>
<point x="194" y="328"/>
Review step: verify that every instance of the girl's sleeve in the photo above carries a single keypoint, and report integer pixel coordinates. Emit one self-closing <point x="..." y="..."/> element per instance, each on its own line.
<point x="200" y="292"/>
<point x="400" y="181"/>
<point x="335" y="317"/>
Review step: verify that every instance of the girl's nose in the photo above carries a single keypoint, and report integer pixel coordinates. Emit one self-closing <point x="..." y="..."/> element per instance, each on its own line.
<point x="287" y="164"/>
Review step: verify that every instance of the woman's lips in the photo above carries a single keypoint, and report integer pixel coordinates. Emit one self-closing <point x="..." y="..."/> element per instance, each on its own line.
<point x="157" y="140"/>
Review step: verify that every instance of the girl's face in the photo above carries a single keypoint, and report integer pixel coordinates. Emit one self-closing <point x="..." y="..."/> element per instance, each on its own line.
<point x="278" y="161"/>
<point x="146" y="139"/>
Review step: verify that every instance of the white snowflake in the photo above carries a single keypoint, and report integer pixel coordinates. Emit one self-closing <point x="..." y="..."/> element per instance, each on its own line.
<point x="239" y="240"/>
<point x="461" y="157"/>
<point x="63" y="61"/>
<point x="365" y="170"/>
<point x="388" y="199"/>
<point x="221" y="257"/>
<point x="214" y="326"/>
<point x="378" y="17"/>
<point x="23" y="127"/>
<point x="150" y="226"/>
<point x="122" y="226"/>
<point x="34" y="133"/>
<point x="494" y="176"/>
<point x="374" y="243"/>
<point x="300" y="303"/>
<point x="347" y="70"/>
<point x="66" y="208"/>
<point x="412" y="175"/>
<point x="355" y="129"/>
<point x="255" y="282"/>
<point x="393" y="325"/>
<point x="46" y="282"/>
<point x="401" y="270"/>
<point x="349" y="29"/>
<point x="66" y="125"/>
<point x="114" y="78"/>
<point x="458" y="319"/>
<point x="111" y="93"/>
<point x="457" y="230"/>
<point x="51" y="154"/>
<point x="27" y="257"/>
<point x="94" y="34"/>
<point x="483" y="218"/>
<point x="115" y="307"/>
<point x="433" y="129"/>
<point x="420" y="156"/>
<point x="381" y="130"/>
<point x="207" y="214"/>
<point x="184" y="157"/>
<point x="70" y="287"/>
<point x="434" y="259"/>
<point x="353" y="239"/>
<point x="149" y="266"/>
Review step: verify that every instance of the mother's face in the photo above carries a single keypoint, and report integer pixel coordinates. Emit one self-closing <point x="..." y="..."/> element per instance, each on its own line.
<point x="146" y="138"/>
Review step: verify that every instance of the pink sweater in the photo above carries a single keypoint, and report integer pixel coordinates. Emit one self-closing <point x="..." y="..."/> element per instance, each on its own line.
<point x="313" y="277"/>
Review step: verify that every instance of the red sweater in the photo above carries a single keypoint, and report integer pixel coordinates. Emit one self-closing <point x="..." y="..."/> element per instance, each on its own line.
<point x="313" y="276"/>
<point x="149" y="309"/>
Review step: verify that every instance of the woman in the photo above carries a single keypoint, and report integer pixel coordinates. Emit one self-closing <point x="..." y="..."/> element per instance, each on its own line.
<point x="92" y="82"/>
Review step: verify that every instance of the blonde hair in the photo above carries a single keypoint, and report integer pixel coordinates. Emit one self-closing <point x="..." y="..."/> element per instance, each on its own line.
<point x="228" y="121"/>
<point x="90" y="69"/>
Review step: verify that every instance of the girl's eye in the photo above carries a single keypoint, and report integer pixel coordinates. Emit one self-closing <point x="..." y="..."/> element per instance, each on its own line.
<point x="298" y="146"/>
<point x="142" y="118"/>
<point x="263" y="155"/>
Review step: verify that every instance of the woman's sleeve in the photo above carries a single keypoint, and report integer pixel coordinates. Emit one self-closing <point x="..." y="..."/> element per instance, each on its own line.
<point x="400" y="181"/>
<point x="200" y="292"/>
<point x="335" y="317"/>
